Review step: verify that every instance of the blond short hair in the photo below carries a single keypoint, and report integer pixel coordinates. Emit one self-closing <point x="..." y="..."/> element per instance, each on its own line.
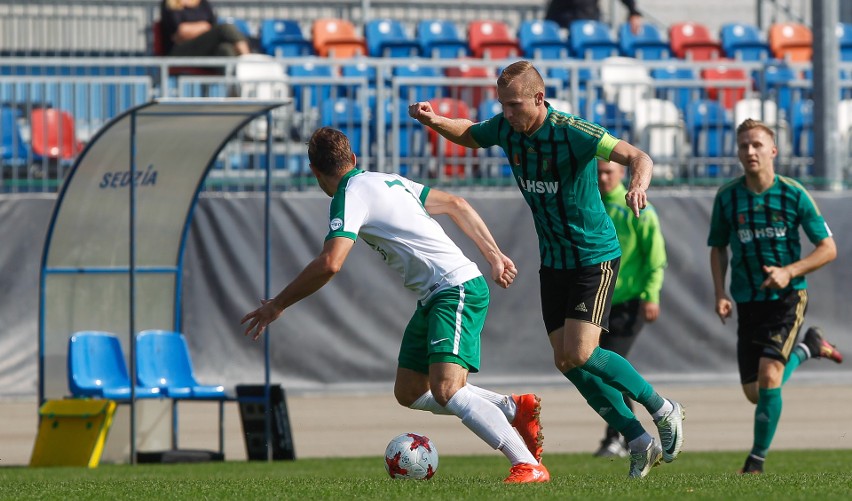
<point x="532" y="83"/>
<point x="750" y="123"/>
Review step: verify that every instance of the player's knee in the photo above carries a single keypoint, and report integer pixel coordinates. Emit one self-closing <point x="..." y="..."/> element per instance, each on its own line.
<point x="404" y="396"/>
<point x="566" y="361"/>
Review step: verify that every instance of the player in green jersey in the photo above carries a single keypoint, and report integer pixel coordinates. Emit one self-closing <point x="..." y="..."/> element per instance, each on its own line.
<point x="441" y="343"/>
<point x="636" y="299"/>
<point x="758" y="216"/>
<point x="552" y="155"/>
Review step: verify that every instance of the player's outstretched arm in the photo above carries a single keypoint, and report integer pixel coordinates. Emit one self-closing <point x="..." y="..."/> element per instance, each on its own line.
<point x="503" y="270"/>
<point x="311" y="279"/>
<point x="641" y="168"/>
<point x="456" y="130"/>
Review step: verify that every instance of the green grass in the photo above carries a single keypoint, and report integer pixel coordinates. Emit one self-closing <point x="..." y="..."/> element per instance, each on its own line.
<point x="791" y="475"/>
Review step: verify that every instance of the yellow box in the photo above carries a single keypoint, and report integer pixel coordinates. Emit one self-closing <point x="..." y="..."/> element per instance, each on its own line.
<point x="72" y="432"/>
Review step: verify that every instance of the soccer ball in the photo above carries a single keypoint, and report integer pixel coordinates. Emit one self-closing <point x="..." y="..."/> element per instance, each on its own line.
<point x="411" y="456"/>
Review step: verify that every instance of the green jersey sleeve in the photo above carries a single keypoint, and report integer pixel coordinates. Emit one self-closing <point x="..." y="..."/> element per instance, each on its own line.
<point x="720" y="231"/>
<point x="812" y="221"/>
<point x="485" y="133"/>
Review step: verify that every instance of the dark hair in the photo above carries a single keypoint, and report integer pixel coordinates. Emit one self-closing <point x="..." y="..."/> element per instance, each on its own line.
<point x="329" y="151"/>
<point x="750" y="123"/>
<point x="531" y="78"/>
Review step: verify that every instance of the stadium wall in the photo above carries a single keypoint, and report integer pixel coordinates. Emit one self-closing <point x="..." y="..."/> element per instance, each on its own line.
<point x="346" y="336"/>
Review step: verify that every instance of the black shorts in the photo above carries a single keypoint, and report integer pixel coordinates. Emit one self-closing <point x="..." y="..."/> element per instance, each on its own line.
<point x="768" y="329"/>
<point x="582" y="294"/>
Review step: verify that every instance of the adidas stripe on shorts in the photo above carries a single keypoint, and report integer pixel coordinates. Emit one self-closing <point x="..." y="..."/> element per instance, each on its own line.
<point x="581" y="293"/>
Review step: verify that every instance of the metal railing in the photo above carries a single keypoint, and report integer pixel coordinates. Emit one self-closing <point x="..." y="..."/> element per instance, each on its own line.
<point x="655" y="114"/>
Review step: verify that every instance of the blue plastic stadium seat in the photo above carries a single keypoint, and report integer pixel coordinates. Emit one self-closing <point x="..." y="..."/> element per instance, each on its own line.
<point x="441" y="39"/>
<point x="615" y="120"/>
<point x="310" y="94"/>
<point x="387" y="38"/>
<point x="802" y="125"/>
<point x="162" y="361"/>
<point x="96" y="368"/>
<point x="710" y="130"/>
<point x="844" y="38"/>
<point x="239" y="23"/>
<point x="422" y="89"/>
<point x="590" y="39"/>
<point x="13" y="150"/>
<point x="679" y="92"/>
<point x="648" y="44"/>
<point x="284" y="38"/>
<point x="346" y="115"/>
<point x="744" y="42"/>
<point x="542" y="39"/>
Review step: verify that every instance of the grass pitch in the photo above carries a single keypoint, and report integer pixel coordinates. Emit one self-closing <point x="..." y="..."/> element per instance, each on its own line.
<point x="791" y="475"/>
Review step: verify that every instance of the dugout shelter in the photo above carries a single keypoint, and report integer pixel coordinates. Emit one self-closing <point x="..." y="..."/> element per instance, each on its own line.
<point x="113" y="256"/>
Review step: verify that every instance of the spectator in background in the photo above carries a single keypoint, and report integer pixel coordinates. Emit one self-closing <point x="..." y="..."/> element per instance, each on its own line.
<point x="636" y="299"/>
<point x="566" y="11"/>
<point x="190" y="28"/>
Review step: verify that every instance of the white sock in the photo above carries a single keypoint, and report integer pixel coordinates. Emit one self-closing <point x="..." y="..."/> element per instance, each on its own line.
<point x="640" y="444"/>
<point x="662" y="411"/>
<point x="504" y="402"/>
<point x="489" y="424"/>
<point x="427" y="402"/>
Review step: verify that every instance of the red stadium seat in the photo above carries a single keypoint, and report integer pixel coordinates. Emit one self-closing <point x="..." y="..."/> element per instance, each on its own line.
<point x="728" y="95"/>
<point x="53" y="134"/>
<point x="441" y="147"/>
<point x="472" y="94"/>
<point x="492" y="40"/>
<point x="693" y="41"/>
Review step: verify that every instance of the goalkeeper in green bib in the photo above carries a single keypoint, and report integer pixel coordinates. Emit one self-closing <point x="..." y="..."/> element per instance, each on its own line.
<point x="553" y="159"/>
<point x="758" y="216"/>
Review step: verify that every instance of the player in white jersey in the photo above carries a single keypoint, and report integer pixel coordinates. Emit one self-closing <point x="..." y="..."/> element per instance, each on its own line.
<point x="440" y="346"/>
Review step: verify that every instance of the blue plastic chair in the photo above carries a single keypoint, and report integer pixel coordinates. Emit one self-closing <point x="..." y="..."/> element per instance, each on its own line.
<point x="743" y="42"/>
<point x="441" y="39"/>
<point x="162" y="361"/>
<point x="96" y="368"/>
<point x="802" y="125"/>
<point x="648" y="44"/>
<point x="241" y="24"/>
<point x="387" y="38"/>
<point x="423" y="90"/>
<point x="309" y="95"/>
<point x="13" y="150"/>
<point x="541" y="39"/>
<point x="347" y="116"/>
<point x="711" y="132"/>
<point x="679" y="94"/>
<point x="590" y="39"/>
<point x="284" y="38"/>
<point x="844" y="38"/>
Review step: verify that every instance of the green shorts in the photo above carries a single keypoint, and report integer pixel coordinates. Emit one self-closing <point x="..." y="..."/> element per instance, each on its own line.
<point x="447" y="328"/>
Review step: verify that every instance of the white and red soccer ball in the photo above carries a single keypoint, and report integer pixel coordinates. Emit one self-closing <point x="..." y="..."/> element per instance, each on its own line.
<point x="411" y="456"/>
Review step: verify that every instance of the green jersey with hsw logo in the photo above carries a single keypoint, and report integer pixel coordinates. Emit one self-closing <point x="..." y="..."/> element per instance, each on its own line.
<point x="763" y="230"/>
<point x="556" y="170"/>
<point x="387" y="211"/>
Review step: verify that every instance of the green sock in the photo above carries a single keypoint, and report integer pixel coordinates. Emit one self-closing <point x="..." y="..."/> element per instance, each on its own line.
<point x="796" y="358"/>
<point x="766" y="417"/>
<point x="607" y="402"/>
<point x="617" y="372"/>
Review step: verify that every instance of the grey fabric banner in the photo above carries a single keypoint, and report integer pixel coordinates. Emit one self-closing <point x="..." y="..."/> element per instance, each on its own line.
<point x="346" y="336"/>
